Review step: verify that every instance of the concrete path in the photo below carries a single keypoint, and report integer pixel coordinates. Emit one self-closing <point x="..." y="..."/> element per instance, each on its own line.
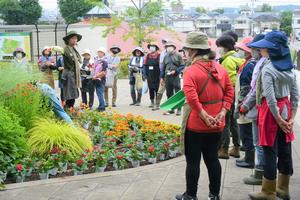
<point x="153" y="182"/>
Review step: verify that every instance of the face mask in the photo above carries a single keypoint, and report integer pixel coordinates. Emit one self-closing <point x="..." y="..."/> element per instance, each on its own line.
<point x="241" y="54"/>
<point x="256" y="54"/>
<point x="19" y="55"/>
<point x="170" y="49"/>
<point x="152" y="49"/>
<point x="221" y="51"/>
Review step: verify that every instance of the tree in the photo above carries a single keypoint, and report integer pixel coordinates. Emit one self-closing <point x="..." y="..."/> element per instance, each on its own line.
<point x="266" y="8"/>
<point x="72" y="10"/>
<point x="219" y="10"/>
<point x="286" y="22"/>
<point x="20" y="12"/>
<point x="142" y="20"/>
<point x="177" y="5"/>
<point x="200" y="10"/>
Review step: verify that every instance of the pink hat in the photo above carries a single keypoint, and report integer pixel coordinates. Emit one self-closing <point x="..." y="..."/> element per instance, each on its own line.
<point x="243" y="44"/>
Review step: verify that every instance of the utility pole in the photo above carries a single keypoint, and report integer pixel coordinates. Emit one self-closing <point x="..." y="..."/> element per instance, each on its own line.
<point x="252" y="16"/>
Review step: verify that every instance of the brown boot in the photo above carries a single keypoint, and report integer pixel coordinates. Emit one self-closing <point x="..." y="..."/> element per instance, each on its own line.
<point x="235" y="152"/>
<point x="282" y="189"/>
<point x="268" y="191"/>
<point x="223" y="153"/>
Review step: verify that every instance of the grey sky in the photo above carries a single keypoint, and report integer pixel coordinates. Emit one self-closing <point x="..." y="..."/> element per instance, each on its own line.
<point x="51" y="4"/>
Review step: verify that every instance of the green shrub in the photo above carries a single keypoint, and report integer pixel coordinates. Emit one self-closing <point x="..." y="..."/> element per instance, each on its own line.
<point x="12" y="135"/>
<point x="47" y="134"/>
<point x="123" y="69"/>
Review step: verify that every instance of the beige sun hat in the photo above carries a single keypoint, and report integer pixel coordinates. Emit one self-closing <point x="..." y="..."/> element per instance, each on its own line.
<point x="102" y="49"/>
<point x="86" y="51"/>
<point x="196" y="40"/>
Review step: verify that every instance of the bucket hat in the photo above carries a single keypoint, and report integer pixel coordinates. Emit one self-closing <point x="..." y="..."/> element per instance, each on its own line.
<point x="138" y="49"/>
<point x="153" y="45"/>
<point x="196" y="40"/>
<point x="102" y="49"/>
<point x="257" y="38"/>
<point x="71" y="34"/>
<point x="115" y="47"/>
<point x="243" y="44"/>
<point x="20" y="50"/>
<point x="277" y="44"/>
<point x="170" y="44"/>
<point x="46" y="48"/>
<point x="86" y="51"/>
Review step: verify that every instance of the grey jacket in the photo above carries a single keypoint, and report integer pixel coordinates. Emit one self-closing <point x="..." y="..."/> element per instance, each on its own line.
<point x="279" y="84"/>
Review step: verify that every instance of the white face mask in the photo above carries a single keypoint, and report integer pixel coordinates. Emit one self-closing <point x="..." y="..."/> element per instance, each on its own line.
<point x="241" y="54"/>
<point x="19" y="55"/>
<point x="221" y="51"/>
<point x="152" y="49"/>
<point x="170" y="49"/>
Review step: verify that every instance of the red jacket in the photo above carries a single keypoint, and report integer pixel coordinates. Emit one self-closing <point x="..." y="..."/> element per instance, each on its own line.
<point x="193" y="80"/>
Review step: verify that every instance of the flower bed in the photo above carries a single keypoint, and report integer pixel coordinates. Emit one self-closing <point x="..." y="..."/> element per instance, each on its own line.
<point x="120" y="142"/>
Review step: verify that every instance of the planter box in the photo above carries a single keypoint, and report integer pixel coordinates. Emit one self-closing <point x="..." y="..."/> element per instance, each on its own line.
<point x="3" y="175"/>
<point x="77" y="173"/>
<point x="20" y="179"/>
<point x="172" y="154"/>
<point x="162" y="156"/>
<point x="86" y="126"/>
<point x="96" y="128"/>
<point x="53" y="171"/>
<point x="29" y="172"/>
<point x="63" y="167"/>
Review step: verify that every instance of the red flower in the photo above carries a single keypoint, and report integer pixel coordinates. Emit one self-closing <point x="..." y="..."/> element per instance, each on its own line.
<point x="133" y="133"/>
<point x="19" y="167"/>
<point x="83" y="155"/>
<point x="79" y="162"/>
<point x="120" y="157"/>
<point x="151" y="149"/>
<point x="55" y="150"/>
<point x="88" y="151"/>
<point x="174" y="141"/>
<point x="95" y="148"/>
<point x="166" y="145"/>
<point x="129" y="146"/>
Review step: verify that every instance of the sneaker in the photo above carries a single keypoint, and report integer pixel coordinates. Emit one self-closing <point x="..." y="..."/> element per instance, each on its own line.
<point x="169" y="112"/>
<point x="114" y="105"/>
<point x="178" y="113"/>
<point x="138" y="104"/>
<point x="132" y="104"/>
<point x="184" y="196"/>
<point x="106" y="105"/>
<point x="213" y="197"/>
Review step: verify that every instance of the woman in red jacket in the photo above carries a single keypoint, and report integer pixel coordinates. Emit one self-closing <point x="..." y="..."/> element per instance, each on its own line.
<point x="209" y="94"/>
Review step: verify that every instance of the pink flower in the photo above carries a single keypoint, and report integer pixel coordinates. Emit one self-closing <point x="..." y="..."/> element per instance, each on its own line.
<point x="19" y="167"/>
<point x="55" y="150"/>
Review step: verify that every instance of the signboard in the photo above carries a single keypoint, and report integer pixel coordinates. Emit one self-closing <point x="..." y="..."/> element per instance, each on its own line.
<point x="10" y="41"/>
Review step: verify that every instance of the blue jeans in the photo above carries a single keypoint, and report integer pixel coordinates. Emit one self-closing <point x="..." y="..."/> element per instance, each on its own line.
<point x="259" y="152"/>
<point x="247" y="136"/>
<point x="100" y="93"/>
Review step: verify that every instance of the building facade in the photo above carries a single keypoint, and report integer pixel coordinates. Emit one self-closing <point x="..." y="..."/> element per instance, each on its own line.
<point x="296" y="25"/>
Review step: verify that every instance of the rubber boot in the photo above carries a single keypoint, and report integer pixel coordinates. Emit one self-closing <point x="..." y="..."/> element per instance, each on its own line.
<point x="268" y="191"/>
<point x="139" y="98"/>
<point x="247" y="161"/>
<point x="235" y="152"/>
<point x="152" y="103"/>
<point x="282" y="189"/>
<point x="254" y="179"/>
<point x="223" y="153"/>
<point x="133" y="97"/>
<point x="157" y="103"/>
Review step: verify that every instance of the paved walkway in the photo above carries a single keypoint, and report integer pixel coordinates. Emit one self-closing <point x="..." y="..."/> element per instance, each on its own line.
<point x="153" y="182"/>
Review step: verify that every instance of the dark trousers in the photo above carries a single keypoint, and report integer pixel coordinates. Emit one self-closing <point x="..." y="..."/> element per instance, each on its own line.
<point x="247" y="136"/>
<point x="281" y="151"/>
<point x="205" y="144"/>
<point x="91" y="98"/>
<point x="231" y="126"/>
<point x="153" y="93"/>
<point x="70" y="103"/>
<point x="62" y="94"/>
<point x="172" y="85"/>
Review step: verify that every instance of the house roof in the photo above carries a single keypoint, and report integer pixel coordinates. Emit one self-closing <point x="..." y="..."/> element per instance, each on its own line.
<point x="100" y="10"/>
<point x="266" y="18"/>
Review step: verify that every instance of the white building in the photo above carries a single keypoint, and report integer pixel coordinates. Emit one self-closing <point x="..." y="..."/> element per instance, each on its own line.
<point x="223" y="23"/>
<point x="206" y="24"/>
<point x="296" y="24"/>
<point x="266" y="22"/>
<point x="181" y="23"/>
<point x="242" y="26"/>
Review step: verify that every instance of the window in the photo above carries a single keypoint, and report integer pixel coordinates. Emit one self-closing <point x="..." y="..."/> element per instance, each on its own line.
<point x="241" y="22"/>
<point x="298" y="21"/>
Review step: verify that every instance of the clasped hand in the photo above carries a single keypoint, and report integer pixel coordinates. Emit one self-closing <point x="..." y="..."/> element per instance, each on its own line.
<point x="213" y="122"/>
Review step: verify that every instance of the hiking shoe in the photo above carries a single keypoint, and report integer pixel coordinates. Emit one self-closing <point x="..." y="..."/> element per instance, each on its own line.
<point x="114" y="105"/>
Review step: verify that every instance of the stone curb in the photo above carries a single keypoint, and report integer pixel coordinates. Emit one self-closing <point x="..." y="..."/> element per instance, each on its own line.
<point x="93" y="175"/>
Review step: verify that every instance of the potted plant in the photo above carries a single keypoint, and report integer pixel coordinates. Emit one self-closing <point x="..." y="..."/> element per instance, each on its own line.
<point x="152" y="154"/>
<point x="63" y="160"/>
<point x="99" y="159"/>
<point x="134" y="155"/>
<point x="19" y="172"/>
<point x="95" y="122"/>
<point x="164" y="149"/>
<point x="173" y="148"/>
<point x="5" y="162"/>
<point x="43" y="166"/>
<point x="85" y="119"/>
<point x="29" y="165"/>
<point x="119" y="160"/>
<point x="79" y="166"/>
